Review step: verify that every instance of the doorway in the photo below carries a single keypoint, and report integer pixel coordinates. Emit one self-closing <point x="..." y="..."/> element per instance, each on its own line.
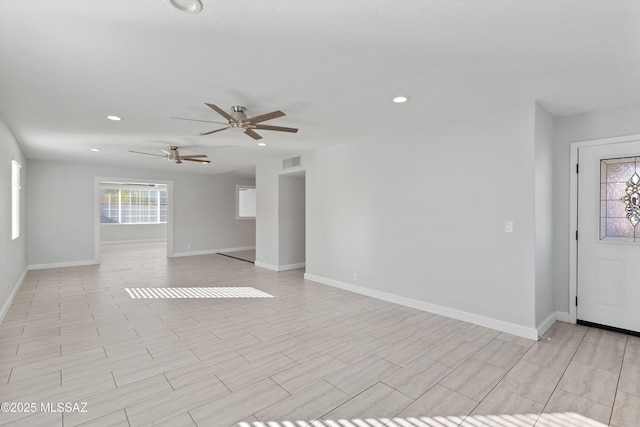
<point x="132" y="212"/>
<point x="607" y="246"/>
<point x="291" y="221"/>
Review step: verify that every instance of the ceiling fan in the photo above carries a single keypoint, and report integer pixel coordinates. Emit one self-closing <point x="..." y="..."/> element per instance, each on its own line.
<point x="237" y="119"/>
<point x="174" y="156"/>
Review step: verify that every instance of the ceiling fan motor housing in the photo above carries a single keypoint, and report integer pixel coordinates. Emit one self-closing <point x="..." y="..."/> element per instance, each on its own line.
<point x="238" y="115"/>
<point x="173" y="153"/>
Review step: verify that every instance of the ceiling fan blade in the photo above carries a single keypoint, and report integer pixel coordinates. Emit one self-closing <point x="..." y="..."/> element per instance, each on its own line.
<point x="278" y="128"/>
<point x="214" y="131"/>
<point x="188" y="156"/>
<point x="196" y="120"/>
<point x="220" y="111"/>
<point x="252" y="134"/>
<point x="265" y="117"/>
<point x="148" y="154"/>
<point x="196" y="160"/>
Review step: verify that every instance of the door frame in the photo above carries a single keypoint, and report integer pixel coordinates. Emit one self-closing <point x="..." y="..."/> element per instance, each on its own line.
<point x="96" y="213"/>
<point x="573" y="212"/>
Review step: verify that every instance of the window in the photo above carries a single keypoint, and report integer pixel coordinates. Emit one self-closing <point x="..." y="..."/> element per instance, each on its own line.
<point x="15" y="199"/>
<point x="245" y="202"/>
<point x="620" y="199"/>
<point x="131" y="205"/>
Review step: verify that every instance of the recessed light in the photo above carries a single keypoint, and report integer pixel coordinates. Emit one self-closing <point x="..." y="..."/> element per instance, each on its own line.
<point x="262" y="144"/>
<point x="95" y="149"/>
<point x="188" y="6"/>
<point x="400" y="99"/>
<point x="114" y="118"/>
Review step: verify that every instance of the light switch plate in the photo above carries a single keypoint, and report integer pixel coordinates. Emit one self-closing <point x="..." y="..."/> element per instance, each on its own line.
<point x="508" y="226"/>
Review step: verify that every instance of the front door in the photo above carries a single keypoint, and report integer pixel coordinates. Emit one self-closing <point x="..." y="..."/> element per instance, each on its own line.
<point x="609" y="235"/>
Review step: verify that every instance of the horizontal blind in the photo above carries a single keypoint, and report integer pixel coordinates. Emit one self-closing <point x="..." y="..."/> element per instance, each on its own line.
<point x="15" y="199"/>
<point x="132" y="206"/>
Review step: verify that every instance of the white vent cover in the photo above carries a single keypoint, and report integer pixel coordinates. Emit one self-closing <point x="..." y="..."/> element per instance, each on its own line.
<point x="291" y="163"/>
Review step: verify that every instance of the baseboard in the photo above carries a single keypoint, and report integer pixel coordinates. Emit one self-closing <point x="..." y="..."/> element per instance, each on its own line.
<point x="563" y="316"/>
<point x="285" y="267"/>
<point x="212" y="251"/>
<point x="547" y="323"/>
<point x="488" y="322"/>
<point x="291" y="266"/>
<point x="62" y="264"/>
<point x="245" y="248"/>
<point x="265" y="265"/>
<point x="125" y="242"/>
<point x="7" y="304"/>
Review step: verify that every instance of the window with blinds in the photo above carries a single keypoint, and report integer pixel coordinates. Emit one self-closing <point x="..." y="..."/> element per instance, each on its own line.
<point x="126" y="205"/>
<point x="245" y="202"/>
<point x="15" y="199"/>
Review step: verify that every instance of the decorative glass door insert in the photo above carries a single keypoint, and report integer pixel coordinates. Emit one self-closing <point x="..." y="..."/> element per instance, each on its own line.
<point x="620" y="199"/>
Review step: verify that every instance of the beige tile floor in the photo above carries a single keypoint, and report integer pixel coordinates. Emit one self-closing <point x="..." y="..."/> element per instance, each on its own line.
<point x="311" y="355"/>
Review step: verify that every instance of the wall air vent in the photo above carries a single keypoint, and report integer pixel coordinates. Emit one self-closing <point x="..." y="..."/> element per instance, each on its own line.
<point x="291" y="163"/>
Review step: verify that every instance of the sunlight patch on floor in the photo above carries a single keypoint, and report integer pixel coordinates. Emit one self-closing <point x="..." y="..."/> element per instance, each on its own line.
<point x="232" y="292"/>
<point x="565" y="419"/>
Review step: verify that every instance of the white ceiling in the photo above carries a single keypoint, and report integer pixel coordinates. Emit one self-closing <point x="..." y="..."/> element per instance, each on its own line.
<point x="332" y="66"/>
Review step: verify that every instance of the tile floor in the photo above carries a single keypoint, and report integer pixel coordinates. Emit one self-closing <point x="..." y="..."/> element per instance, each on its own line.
<point x="311" y="355"/>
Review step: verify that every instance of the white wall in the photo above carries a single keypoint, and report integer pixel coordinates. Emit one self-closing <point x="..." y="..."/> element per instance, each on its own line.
<point x="545" y="291"/>
<point x="13" y="258"/>
<point x="132" y="232"/>
<point x="581" y="127"/>
<point x="291" y="220"/>
<point x="62" y="207"/>
<point x="267" y="191"/>
<point x="448" y="247"/>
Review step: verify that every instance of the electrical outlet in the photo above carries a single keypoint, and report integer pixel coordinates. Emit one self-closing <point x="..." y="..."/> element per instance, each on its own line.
<point x="508" y="226"/>
<point x="355" y="276"/>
